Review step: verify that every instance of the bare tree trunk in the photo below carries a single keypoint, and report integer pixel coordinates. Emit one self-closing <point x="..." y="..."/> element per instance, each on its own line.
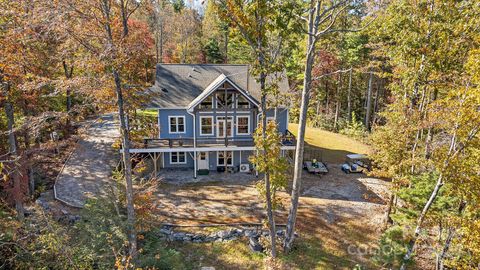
<point x="454" y="149"/>
<point x="68" y="74"/>
<point x="132" y="235"/>
<point x="161" y="43"/>
<point x="429" y="139"/>
<point x="124" y="11"/>
<point x="375" y="105"/>
<point x="388" y="219"/>
<point x="263" y="76"/>
<point x="448" y="241"/>
<point x="297" y="173"/>
<point x="17" y="190"/>
<point x="369" y="101"/>
<point x="268" y="195"/>
<point x="337" y="104"/>
<point x="226" y="44"/>
<point x="421" y="218"/>
<point x="349" y="96"/>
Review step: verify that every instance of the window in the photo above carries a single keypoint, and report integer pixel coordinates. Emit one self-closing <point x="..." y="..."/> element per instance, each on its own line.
<point x="243" y="125"/>
<point x="242" y="102"/>
<point x="176" y="124"/>
<point x="178" y="158"/>
<point x="206" y="125"/>
<point x="224" y="128"/>
<point x="221" y="158"/>
<point x="221" y="99"/>
<point x="207" y="103"/>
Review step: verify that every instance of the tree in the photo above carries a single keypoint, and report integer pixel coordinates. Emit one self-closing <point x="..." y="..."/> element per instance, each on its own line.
<point x="272" y="163"/>
<point x="266" y="32"/>
<point x="321" y="21"/>
<point x="212" y="52"/>
<point x="106" y="35"/>
<point x="425" y="132"/>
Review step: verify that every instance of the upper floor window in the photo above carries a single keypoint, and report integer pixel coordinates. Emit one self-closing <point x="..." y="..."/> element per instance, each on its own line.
<point x="242" y="102"/>
<point x="243" y="125"/>
<point x="206" y="125"/>
<point x="176" y="124"/>
<point x="224" y="99"/>
<point x="207" y="103"/>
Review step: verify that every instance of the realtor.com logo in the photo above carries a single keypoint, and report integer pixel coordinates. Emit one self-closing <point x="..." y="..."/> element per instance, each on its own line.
<point x="366" y="250"/>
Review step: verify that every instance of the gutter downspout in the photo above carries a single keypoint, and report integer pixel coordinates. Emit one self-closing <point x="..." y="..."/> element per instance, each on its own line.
<point x="194" y="145"/>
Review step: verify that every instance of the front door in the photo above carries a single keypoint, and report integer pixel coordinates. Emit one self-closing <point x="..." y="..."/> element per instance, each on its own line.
<point x="223" y="129"/>
<point x="203" y="161"/>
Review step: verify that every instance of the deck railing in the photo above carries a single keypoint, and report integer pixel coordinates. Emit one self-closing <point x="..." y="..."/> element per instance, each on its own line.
<point x="288" y="139"/>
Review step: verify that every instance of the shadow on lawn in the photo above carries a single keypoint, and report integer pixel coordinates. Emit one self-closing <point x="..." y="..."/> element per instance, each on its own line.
<point x="327" y="155"/>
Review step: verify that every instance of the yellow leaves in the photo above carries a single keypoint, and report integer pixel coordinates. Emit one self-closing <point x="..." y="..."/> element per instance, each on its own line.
<point x="268" y="160"/>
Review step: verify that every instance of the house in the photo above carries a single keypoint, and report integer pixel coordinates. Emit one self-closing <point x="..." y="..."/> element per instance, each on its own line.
<point x="207" y="114"/>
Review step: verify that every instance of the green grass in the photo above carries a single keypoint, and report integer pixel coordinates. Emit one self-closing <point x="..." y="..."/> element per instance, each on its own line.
<point x="329" y="146"/>
<point x="148" y="112"/>
<point x="309" y="253"/>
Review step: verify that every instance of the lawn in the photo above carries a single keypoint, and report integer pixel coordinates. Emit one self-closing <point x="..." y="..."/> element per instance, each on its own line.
<point x="329" y="146"/>
<point x="148" y="112"/>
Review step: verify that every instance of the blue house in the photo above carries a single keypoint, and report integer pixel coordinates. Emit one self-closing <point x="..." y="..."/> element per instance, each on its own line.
<point x="207" y="115"/>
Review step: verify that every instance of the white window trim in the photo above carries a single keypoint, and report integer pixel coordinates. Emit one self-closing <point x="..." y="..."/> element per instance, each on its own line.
<point x="236" y="102"/>
<point x="178" y="158"/>
<point x="213" y="126"/>
<point x="170" y="126"/>
<point x="236" y="125"/>
<point x="212" y="102"/>
<point x="217" y="126"/>
<point x="233" y="156"/>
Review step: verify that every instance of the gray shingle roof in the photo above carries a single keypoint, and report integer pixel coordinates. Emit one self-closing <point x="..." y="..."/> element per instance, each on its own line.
<point x="176" y="85"/>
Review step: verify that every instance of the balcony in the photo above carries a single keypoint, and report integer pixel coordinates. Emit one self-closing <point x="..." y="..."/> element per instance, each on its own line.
<point x="288" y="139"/>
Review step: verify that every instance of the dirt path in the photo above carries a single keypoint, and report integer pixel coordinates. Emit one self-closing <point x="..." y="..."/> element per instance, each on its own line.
<point x="87" y="172"/>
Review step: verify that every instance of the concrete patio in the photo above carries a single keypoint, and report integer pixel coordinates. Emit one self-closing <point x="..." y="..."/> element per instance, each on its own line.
<point x="185" y="176"/>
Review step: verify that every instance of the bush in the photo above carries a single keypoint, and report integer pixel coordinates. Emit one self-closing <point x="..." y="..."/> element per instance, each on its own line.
<point x="355" y="129"/>
<point x="157" y="255"/>
<point x="392" y="247"/>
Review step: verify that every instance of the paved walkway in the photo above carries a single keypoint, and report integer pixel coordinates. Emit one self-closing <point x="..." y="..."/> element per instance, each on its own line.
<point x="87" y="173"/>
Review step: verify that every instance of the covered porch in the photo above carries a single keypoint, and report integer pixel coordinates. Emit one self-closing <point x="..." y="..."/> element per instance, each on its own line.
<point x="185" y="176"/>
<point x="220" y="161"/>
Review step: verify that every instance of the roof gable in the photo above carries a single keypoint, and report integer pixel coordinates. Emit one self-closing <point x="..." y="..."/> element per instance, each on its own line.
<point x="177" y="85"/>
<point x="214" y="86"/>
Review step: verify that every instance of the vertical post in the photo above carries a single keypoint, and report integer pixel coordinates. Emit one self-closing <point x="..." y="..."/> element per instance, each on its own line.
<point x="194" y="146"/>
<point x="155" y="163"/>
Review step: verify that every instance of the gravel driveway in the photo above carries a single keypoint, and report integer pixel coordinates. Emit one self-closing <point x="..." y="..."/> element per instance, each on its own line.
<point x="87" y="172"/>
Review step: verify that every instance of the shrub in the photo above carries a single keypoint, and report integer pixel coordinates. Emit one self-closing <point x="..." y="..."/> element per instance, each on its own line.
<point x="355" y="129"/>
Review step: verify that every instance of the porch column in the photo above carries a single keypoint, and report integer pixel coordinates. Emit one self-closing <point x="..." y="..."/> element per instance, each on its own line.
<point x="194" y="144"/>
<point x="155" y="163"/>
<point x="195" y="164"/>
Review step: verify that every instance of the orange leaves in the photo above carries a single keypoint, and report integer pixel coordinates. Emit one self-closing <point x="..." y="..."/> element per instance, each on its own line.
<point x="144" y="209"/>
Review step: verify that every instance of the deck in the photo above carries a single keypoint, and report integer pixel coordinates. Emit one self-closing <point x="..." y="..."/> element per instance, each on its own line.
<point x="220" y="144"/>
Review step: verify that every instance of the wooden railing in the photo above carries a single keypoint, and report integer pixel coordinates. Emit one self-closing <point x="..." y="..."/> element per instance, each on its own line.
<point x="287" y="139"/>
